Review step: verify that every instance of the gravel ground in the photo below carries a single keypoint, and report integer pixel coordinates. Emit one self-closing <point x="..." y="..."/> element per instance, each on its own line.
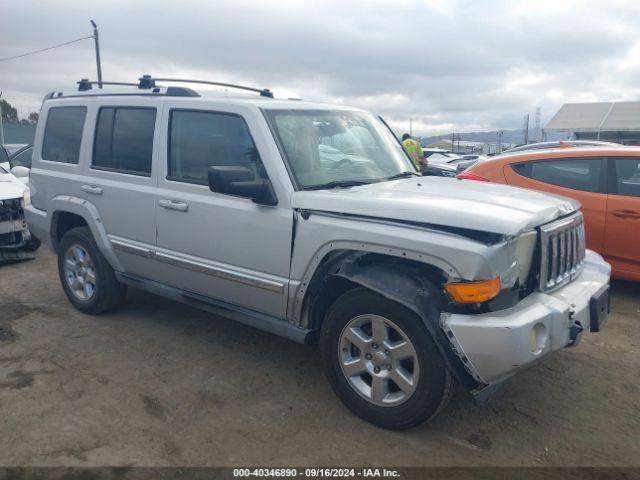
<point x="156" y="383"/>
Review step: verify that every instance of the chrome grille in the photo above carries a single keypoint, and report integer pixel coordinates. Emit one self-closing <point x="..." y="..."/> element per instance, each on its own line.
<point x="562" y="251"/>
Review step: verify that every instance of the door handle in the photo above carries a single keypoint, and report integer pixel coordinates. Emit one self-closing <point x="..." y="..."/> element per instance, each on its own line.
<point x="92" y="189"/>
<point x="626" y="214"/>
<point x="174" y="205"/>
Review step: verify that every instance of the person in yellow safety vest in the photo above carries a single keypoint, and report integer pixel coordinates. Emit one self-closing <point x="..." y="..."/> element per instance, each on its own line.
<point x="414" y="149"/>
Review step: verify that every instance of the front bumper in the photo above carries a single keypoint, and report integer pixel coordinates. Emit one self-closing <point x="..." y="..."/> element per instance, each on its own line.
<point x="493" y="346"/>
<point x="14" y="232"/>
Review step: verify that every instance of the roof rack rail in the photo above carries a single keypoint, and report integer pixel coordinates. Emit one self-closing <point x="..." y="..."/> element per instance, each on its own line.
<point x="147" y="81"/>
<point x="86" y="84"/>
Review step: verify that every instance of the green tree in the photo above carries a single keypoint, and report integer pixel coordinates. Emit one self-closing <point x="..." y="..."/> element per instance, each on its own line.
<point x="33" y="117"/>
<point x="9" y="113"/>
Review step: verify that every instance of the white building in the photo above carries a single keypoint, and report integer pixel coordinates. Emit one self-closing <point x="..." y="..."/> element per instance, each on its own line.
<point x="608" y="121"/>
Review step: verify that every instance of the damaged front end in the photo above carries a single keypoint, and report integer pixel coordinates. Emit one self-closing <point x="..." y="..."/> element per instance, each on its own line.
<point x="14" y="233"/>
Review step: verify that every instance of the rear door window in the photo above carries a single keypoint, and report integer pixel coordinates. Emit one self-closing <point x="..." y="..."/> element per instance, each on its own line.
<point x="63" y="134"/>
<point x="627" y="176"/>
<point x="124" y="140"/>
<point x="584" y="174"/>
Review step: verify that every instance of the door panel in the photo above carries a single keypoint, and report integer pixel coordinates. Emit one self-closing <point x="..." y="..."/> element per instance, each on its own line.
<point x="225" y="247"/>
<point x="594" y="202"/>
<point x="120" y="181"/>
<point x="623" y="218"/>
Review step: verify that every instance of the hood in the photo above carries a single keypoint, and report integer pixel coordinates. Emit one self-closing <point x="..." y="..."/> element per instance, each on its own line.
<point x="11" y="187"/>
<point x="483" y="206"/>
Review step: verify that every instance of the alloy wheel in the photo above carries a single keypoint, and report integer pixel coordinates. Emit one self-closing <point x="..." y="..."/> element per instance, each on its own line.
<point x="80" y="273"/>
<point x="379" y="360"/>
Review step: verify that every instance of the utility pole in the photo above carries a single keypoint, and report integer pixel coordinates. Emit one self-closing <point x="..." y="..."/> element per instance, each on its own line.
<point x="97" y="42"/>
<point x="1" y="127"/>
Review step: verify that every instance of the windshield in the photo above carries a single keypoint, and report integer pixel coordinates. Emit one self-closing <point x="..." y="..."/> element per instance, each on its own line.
<point x="325" y="147"/>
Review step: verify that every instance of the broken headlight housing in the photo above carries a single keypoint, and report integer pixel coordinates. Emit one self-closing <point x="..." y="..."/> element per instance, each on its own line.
<point x="521" y="250"/>
<point x="515" y="281"/>
<point x="525" y="248"/>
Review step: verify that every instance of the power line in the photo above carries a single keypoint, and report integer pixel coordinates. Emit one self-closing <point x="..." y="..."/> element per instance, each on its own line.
<point x="45" y="49"/>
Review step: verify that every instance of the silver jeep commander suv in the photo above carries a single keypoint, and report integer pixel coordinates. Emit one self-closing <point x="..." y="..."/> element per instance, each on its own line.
<point x="309" y="221"/>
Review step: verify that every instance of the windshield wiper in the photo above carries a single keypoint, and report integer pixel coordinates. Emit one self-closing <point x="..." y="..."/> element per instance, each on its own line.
<point x="336" y="184"/>
<point x="403" y="175"/>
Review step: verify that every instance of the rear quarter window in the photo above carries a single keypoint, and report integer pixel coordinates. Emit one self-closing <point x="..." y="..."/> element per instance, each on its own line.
<point x="124" y="140"/>
<point x="63" y="134"/>
<point x="583" y="174"/>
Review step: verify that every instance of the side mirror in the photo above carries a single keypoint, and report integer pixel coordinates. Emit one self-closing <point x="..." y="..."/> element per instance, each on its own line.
<point x="241" y="181"/>
<point x="20" y="171"/>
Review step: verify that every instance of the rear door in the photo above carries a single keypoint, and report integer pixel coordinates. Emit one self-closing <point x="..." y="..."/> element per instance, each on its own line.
<point x="583" y="179"/>
<point x="623" y="217"/>
<point x="119" y="179"/>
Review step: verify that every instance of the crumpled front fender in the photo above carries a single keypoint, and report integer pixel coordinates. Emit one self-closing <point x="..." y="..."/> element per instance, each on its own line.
<point x="410" y="287"/>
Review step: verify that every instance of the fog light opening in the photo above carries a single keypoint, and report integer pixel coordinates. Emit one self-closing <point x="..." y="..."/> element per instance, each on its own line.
<point x="538" y="338"/>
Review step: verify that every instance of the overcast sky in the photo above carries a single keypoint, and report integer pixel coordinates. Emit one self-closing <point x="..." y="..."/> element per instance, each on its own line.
<point x="449" y="65"/>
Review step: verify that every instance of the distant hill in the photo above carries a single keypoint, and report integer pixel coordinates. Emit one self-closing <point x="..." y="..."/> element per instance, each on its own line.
<point x="508" y="136"/>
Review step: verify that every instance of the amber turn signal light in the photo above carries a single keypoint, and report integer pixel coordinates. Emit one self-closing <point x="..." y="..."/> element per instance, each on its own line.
<point x="473" y="292"/>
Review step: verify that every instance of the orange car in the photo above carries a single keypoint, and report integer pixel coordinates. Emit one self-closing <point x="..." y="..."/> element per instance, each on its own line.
<point x="605" y="180"/>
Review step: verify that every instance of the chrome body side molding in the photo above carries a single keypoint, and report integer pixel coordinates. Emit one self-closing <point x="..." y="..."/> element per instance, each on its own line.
<point x="198" y="266"/>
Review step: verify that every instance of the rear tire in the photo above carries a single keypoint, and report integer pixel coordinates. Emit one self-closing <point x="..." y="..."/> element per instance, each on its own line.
<point x="86" y="277"/>
<point x="382" y="362"/>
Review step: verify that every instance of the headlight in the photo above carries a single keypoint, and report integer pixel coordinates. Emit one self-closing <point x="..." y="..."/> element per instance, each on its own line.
<point x="524" y="254"/>
<point x="26" y="198"/>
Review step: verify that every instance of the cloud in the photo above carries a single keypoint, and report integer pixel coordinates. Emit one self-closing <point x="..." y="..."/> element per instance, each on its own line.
<point x="447" y="65"/>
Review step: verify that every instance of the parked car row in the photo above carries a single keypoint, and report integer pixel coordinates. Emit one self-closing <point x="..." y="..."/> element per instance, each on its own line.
<point x="309" y="221"/>
<point x="437" y="157"/>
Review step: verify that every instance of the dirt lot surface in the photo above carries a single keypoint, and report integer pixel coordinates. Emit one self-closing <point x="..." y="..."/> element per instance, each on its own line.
<point x="156" y="383"/>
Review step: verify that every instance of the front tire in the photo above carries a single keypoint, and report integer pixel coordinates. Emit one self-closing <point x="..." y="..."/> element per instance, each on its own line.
<point x="86" y="277"/>
<point x="382" y="362"/>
